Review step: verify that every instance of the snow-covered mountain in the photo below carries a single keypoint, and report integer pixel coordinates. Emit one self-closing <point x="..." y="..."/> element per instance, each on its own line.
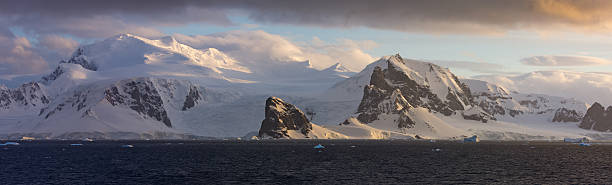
<point x="133" y="87"/>
<point x="515" y="107"/>
<point x="129" y="87"/>
<point x="408" y="97"/>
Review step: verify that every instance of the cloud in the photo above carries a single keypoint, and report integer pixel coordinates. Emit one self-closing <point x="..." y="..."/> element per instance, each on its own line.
<point x="58" y="44"/>
<point x="585" y="86"/>
<point x="84" y="27"/>
<point x="18" y="57"/>
<point x="259" y="48"/>
<point x="478" y="67"/>
<point x="98" y="18"/>
<point x="552" y="60"/>
<point x="440" y="16"/>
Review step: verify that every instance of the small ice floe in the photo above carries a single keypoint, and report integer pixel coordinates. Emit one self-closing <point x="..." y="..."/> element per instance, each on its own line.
<point x="319" y="146"/>
<point x="127" y="146"/>
<point x="576" y="140"/>
<point x="87" y="139"/>
<point x="584" y="144"/>
<point x="436" y="149"/>
<point x="473" y="139"/>
<point x="353" y="146"/>
<point x="76" y="144"/>
<point x="10" y="144"/>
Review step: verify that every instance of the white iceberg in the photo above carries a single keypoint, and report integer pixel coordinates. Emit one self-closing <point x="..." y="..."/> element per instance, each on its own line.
<point x="576" y="140"/>
<point x="10" y="143"/>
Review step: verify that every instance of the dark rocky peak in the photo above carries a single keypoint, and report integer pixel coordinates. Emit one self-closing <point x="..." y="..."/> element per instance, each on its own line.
<point x="417" y="88"/>
<point x="566" y="115"/>
<point x="282" y="117"/>
<point x="79" y="57"/>
<point x="596" y="118"/>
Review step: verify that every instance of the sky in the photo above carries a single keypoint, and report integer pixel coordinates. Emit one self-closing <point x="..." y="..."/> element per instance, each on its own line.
<point x="511" y="42"/>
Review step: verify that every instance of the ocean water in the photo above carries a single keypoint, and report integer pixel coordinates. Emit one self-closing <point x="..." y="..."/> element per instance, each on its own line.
<point x="296" y="162"/>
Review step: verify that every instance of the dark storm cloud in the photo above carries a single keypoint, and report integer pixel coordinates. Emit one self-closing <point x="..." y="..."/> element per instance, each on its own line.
<point x="105" y="18"/>
<point x="99" y="18"/>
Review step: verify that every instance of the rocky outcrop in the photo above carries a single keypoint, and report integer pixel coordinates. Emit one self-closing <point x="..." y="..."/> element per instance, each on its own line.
<point x="597" y="118"/>
<point x="566" y="115"/>
<point x="54" y="75"/>
<point x="502" y="103"/>
<point x="192" y="98"/>
<point x="28" y="95"/>
<point x="141" y="96"/>
<point x="282" y="119"/>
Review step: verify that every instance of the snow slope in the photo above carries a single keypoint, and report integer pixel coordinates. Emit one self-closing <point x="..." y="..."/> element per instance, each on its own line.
<point x="130" y="87"/>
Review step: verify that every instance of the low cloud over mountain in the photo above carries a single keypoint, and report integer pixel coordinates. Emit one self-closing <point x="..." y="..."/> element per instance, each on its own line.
<point x="552" y="60"/>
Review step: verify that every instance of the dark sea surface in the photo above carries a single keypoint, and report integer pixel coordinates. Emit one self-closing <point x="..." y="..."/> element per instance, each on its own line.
<point x="296" y="162"/>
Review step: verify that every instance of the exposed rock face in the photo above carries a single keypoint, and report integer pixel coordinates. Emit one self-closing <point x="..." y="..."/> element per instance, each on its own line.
<point x="502" y="103"/>
<point x="566" y="115"/>
<point x="192" y="98"/>
<point x="596" y="118"/>
<point x="79" y="58"/>
<point x="398" y="88"/>
<point x="29" y="95"/>
<point x="54" y="75"/>
<point x="141" y="96"/>
<point x="282" y="117"/>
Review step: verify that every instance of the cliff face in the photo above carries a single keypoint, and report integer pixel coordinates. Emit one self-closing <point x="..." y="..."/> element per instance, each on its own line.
<point x="566" y="115"/>
<point x="283" y="118"/>
<point x="402" y="84"/>
<point x="597" y="118"/>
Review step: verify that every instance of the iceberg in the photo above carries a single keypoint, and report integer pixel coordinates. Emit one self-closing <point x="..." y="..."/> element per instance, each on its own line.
<point x="585" y="144"/>
<point x="319" y="146"/>
<point x="576" y="140"/>
<point x="473" y="139"/>
<point x="127" y="146"/>
<point x="10" y="143"/>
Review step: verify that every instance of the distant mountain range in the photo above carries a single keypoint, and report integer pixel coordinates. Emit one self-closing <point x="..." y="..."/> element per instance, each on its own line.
<point x="130" y="87"/>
